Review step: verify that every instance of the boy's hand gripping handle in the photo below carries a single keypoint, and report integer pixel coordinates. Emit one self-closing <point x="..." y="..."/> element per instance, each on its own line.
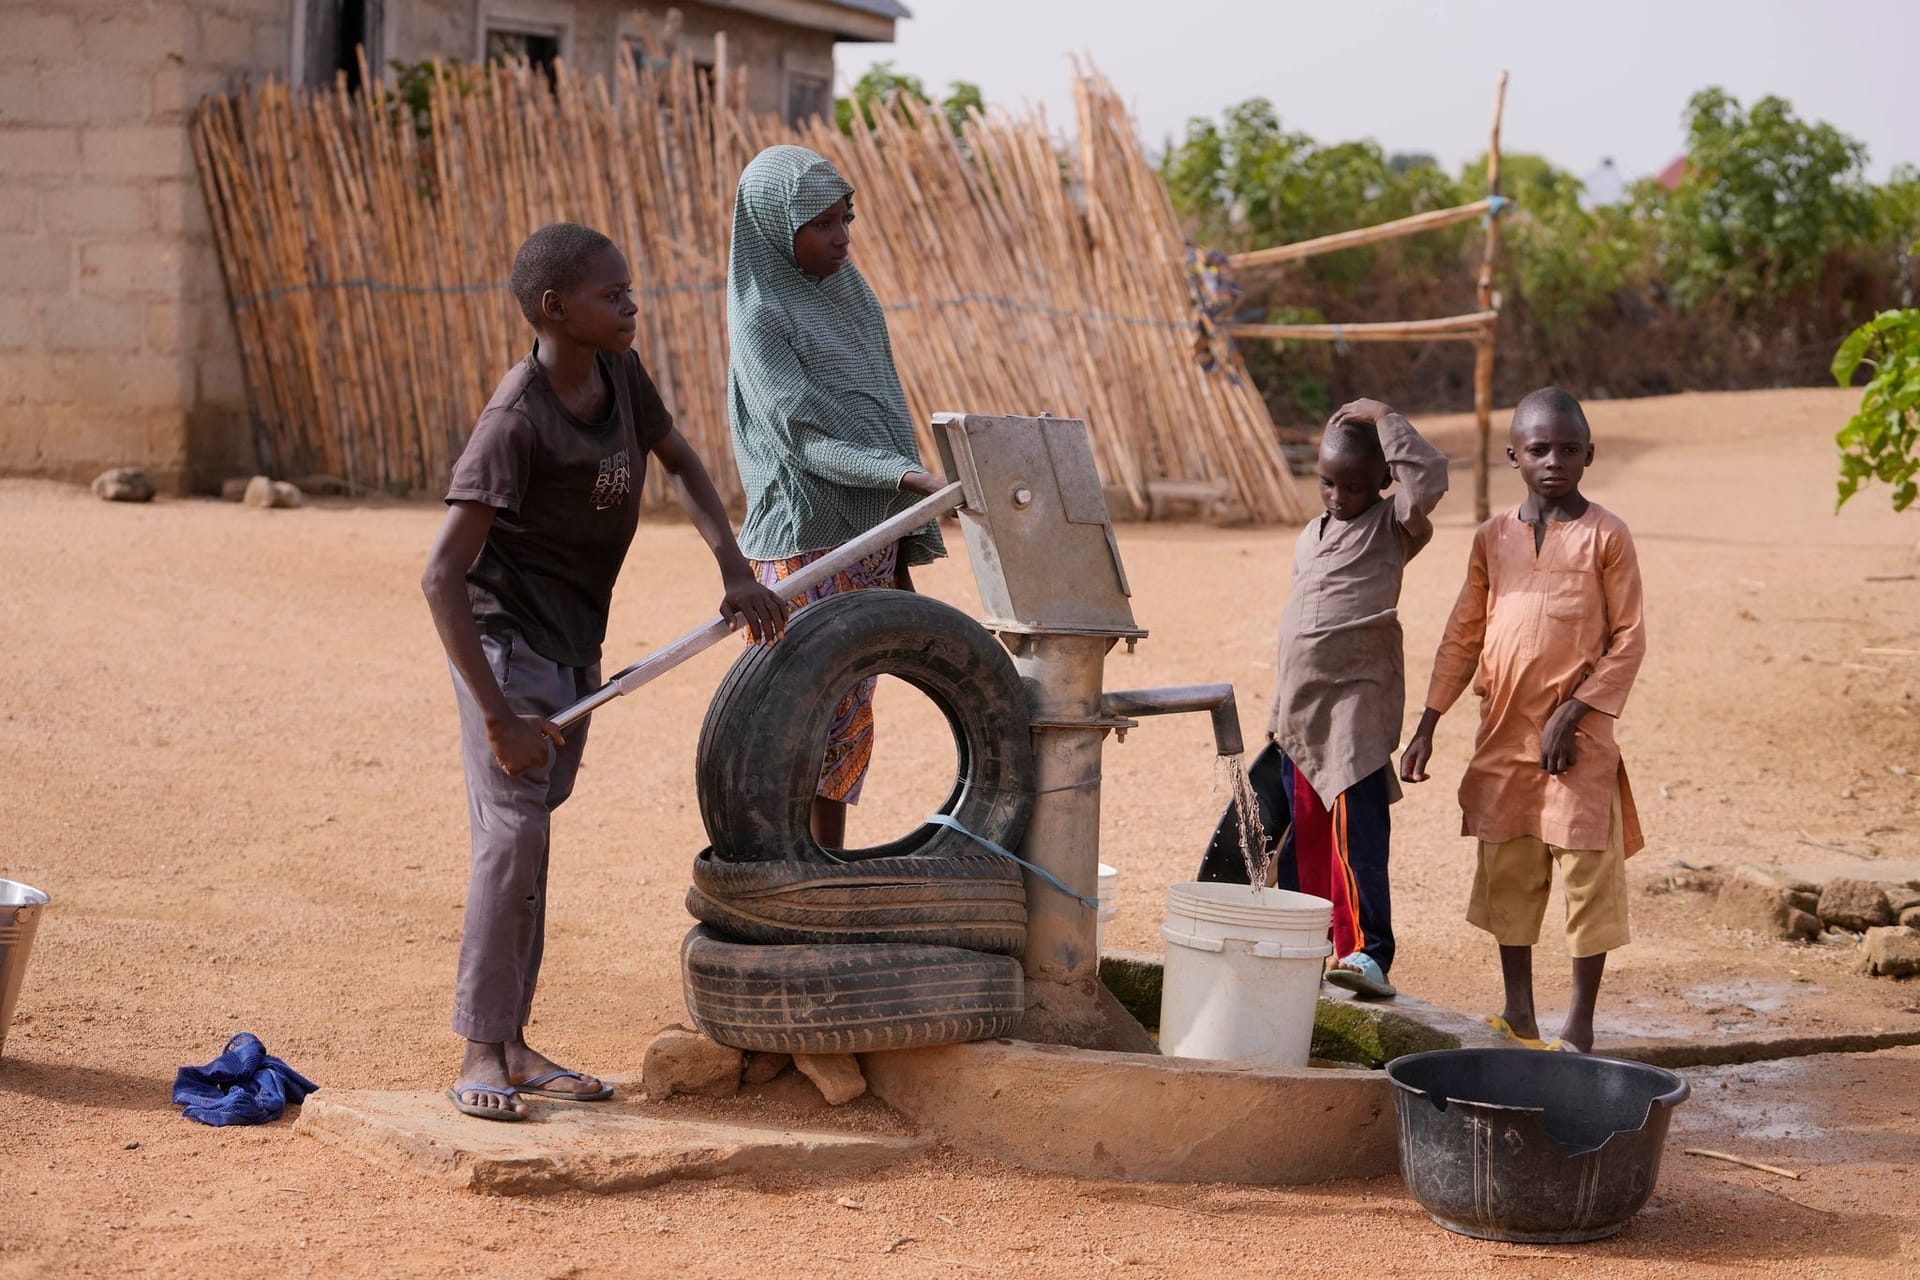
<point x="665" y="659"/>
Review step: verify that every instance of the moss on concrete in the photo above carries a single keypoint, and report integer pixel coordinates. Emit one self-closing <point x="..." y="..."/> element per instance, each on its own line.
<point x="1134" y="977"/>
<point x="1370" y="1035"/>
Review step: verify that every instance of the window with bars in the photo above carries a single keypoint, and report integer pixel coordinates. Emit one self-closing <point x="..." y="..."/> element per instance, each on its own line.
<point x="809" y="95"/>
<point x="335" y="31"/>
<point x="703" y="71"/>
<point x="541" y="49"/>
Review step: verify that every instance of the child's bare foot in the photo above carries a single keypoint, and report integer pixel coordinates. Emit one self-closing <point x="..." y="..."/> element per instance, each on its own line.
<point x="527" y="1068"/>
<point x="485" y="1065"/>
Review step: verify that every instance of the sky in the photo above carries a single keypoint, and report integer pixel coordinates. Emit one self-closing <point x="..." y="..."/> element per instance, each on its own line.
<point x="1588" y="80"/>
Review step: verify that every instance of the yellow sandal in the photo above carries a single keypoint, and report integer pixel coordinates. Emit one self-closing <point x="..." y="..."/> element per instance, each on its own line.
<point x="1499" y="1023"/>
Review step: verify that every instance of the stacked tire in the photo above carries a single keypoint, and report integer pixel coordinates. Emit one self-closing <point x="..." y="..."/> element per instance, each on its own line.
<point x="913" y="943"/>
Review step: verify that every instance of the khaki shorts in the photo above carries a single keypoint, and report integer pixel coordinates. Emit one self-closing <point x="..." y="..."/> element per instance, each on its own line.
<point x="1512" y="880"/>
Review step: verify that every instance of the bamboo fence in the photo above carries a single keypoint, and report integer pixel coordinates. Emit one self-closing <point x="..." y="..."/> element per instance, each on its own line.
<point x="366" y="250"/>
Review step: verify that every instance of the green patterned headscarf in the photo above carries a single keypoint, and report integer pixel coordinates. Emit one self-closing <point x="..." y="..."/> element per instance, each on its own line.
<point x="821" y="431"/>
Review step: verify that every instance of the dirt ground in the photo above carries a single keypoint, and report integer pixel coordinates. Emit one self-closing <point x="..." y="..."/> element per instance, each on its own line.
<point x="233" y="763"/>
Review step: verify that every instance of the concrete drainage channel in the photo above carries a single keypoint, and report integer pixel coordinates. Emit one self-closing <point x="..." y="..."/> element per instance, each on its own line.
<point x="1138" y="1116"/>
<point x="1092" y="1114"/>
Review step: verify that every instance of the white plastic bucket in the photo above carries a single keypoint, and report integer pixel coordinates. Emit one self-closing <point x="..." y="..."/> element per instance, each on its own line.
<point x="1242" y="974"/>
<point x="1109" y="876"/>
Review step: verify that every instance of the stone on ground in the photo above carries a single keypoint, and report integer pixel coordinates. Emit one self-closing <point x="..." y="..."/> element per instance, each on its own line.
<point x="762" y="1067"/>
<point x="265" y="492"/>
<point x="1803" y="924"/>
<point x="123" y="484"/>
<point x="683" y="1061"/>
<point x="1855" y="905"/>
<point x="1750" y="898"/>
<point x="836" y="1075"/>
<point x="1911" y="917"/>
<point x="1891" y="952"/>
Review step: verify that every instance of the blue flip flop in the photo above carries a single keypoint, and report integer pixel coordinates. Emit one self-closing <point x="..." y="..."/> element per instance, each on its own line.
<point x="536" y="1087"/>
<point x="1363" y="979"/>
<point x="506" y="1113"/>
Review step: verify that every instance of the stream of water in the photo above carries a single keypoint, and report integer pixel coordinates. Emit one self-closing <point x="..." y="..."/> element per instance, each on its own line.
<point x="1232" y="770"/>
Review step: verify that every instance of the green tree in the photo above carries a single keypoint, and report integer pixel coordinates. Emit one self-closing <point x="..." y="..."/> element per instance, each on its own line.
<point x="881" y="86"/>
<point x="1896" y="219"/>
<point x="1245" y="179"/>
<point x="962" y="100"/>
<point x="1767" y="196"/>
<point x="1531" y="182"/>
<point x="1878" y="442"/>
<point x="1564" y="260"/>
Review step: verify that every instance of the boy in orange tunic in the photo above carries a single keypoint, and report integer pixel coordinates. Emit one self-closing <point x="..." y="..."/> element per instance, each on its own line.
<point x="1548" y="632"/>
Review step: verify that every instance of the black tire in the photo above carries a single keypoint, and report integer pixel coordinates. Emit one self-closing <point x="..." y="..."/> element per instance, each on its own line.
<point x="852" y="999"/>
<point x="975" y="901"/>
<point x="758" y="762"/>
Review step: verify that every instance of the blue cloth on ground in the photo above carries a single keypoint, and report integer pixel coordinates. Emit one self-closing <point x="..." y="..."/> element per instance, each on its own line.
<point x="244" y="1085"/>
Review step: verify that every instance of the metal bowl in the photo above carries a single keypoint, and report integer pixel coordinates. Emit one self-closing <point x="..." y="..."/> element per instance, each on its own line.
<point x="1544" y="1148"/>
<point x="20" y="909"/>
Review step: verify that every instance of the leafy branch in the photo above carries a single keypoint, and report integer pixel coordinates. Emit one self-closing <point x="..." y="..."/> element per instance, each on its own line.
<point x="1879" y="441"/>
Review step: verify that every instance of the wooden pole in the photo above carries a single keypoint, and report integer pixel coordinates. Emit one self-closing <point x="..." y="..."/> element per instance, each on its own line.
<point x="1412" y="225"/>
<point x="1487" y="300"/>
<point x="1475" y="326"/>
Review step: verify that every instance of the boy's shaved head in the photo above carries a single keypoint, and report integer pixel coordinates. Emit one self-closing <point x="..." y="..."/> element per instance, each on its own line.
<point x="1551" y="445"/>
<point x="1550" y="402"/>
<point x="1355" y="441"/>
<point x="554" y="257"/>
<point x="1353" y="469"/>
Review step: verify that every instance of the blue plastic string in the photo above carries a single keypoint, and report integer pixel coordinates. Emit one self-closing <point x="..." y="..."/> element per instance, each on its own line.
<point x="946" y="820"/>
<point x="654" y="291"/>
<point x="1496" y="205"/>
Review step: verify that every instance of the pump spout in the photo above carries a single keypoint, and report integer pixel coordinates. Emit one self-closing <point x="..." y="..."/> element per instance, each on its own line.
<point x="1214" y="698"/>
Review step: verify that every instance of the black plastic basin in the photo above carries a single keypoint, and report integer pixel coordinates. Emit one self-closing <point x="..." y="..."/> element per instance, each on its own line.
<point x="1516" y="1144"/>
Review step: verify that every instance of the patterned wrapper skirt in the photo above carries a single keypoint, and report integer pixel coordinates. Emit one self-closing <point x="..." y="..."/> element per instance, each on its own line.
<point x="850" y="740"/>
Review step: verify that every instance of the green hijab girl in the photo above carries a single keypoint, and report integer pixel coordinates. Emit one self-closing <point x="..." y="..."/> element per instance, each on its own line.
<point x="821" y="430"/>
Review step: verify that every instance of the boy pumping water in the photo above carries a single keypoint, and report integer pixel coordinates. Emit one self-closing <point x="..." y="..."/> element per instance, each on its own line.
<point x="541" y="509"/>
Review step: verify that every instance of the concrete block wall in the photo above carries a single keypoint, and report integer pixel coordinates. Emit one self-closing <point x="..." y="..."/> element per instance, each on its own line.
<point x="116" y="343"/>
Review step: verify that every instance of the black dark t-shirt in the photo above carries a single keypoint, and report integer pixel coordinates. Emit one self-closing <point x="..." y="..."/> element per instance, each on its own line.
<point x="567" y="494"/>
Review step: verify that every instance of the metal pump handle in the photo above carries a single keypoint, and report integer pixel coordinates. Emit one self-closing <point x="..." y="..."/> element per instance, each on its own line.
<point x="667" y="657"/>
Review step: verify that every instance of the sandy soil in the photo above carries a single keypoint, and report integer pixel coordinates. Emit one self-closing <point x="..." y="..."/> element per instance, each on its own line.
<point x="233" y="763"/>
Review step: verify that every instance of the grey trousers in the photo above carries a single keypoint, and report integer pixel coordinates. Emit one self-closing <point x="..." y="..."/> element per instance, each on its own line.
<point x="504" y="930"/>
